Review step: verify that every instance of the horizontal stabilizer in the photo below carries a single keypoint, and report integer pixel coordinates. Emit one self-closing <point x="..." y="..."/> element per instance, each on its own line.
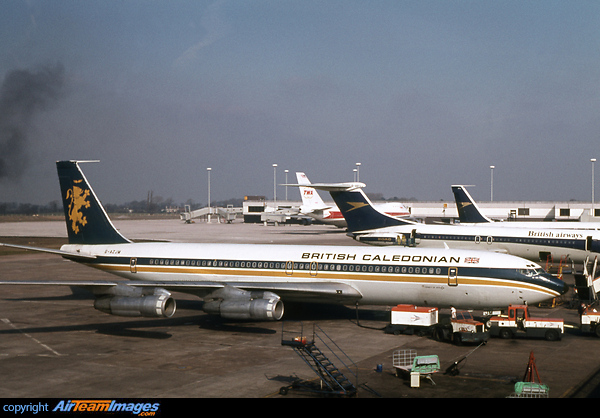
<point x="332" y="187"/>
<point x="68" y="254"/>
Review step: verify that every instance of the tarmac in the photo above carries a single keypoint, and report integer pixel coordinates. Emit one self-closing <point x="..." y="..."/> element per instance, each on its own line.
<point x="54" y="344"/>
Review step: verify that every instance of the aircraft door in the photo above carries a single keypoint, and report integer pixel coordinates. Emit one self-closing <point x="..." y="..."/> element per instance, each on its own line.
<point x="452" y="276"/>
<point x="289" y="268"/>
<point x="133" y="265"/>
<point x="314" y="267"/>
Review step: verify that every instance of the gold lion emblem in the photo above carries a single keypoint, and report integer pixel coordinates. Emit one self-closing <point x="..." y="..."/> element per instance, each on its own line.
<point x="77" y="198"/>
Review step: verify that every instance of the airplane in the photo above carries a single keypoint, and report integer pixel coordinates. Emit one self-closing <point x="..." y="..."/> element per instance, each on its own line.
<point x="315" y="207"/>
<point x="367" y="224"/>
<point x="251" y="282"/>
<point x="469" y="213"/>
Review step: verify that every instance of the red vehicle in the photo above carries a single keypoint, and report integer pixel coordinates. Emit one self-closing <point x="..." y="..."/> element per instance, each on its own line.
<point x="520" y="323"/>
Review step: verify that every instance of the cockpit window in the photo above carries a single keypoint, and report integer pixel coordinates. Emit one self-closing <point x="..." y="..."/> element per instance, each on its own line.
<point x="531" y="271"/>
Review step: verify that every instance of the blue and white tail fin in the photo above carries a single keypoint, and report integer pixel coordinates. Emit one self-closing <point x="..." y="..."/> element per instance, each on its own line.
<point x="357" y="209"/>
<point x="360" y="214"/>
<point x="468" y="211"/>
<point x="87" y="221"/>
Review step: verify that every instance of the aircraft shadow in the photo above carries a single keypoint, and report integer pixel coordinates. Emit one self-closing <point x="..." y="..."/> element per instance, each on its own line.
<point x="153" y="328"/>
<point x="321" y="232"/>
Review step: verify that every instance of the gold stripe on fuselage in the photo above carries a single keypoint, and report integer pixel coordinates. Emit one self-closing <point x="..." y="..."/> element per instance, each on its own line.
<point x="326" y="275"/>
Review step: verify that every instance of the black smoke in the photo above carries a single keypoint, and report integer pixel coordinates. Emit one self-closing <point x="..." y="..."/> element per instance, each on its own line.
<point x="23" y="94"/>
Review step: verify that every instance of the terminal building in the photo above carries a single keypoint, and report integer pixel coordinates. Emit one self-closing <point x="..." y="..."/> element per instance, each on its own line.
<point x="509" y="211"/>
<point x="446" y="212"/>
<point x="259" y="209"/>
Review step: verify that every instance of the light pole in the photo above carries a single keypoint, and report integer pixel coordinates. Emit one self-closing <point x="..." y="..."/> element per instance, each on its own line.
<point x="593" y="160"/>
<point x="208" y="170"/>
<point x="275" y="185"/>
<point x="492" y="183"/>
<point x="286" y="183"/>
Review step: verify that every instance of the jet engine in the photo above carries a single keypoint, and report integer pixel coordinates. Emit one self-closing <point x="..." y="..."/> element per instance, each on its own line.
<point x="233" y="303"/>
<point x="133" y="302"/>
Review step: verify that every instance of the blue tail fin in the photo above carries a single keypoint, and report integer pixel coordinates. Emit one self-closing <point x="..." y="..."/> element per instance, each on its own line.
<point x="87" y="221"/>
<point x="360" y="214"/>
<point x="468" y="211"/>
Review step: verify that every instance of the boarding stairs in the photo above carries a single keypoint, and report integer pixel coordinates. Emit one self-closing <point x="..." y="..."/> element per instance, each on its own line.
<point x="334" y="380"/>
<point x="587" y="283"/>
<point x="227" y="214"/>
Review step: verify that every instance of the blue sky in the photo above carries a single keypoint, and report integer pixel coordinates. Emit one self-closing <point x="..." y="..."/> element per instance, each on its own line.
<point x="424" y="94"/>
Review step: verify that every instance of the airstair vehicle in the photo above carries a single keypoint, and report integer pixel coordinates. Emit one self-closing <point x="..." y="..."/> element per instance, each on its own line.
<point x="333" y="380"/>
<point x="227" y="214"/>
<point x="587" y="284"/>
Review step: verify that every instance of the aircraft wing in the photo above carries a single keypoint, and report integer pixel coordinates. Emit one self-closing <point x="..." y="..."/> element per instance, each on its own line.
<point x="317" y="210"/>
<point x="300" y="292"/>
<point x="306" y="291"/>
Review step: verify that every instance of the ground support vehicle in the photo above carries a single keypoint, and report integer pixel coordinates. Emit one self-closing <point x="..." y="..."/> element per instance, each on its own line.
<point x="411" y="319"/>
<point x="333" y="380"/>
<point x="407" y="362"/>
<point x="520" y="323"/>
<point x="462" y="328"/>
<point x="420" y="320"/>
<point x="590" y="319"/>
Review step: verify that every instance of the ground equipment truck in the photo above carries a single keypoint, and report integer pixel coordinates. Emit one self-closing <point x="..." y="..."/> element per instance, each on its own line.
<point x="421" y="320"/>
<point x="590" y="319"/>
<point x="520" y="323"/>
<point x="411" y="319"/>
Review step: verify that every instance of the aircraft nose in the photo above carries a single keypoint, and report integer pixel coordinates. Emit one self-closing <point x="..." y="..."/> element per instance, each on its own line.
<point x="556" y="284"/>
<point x="565" y="288"/>
<point x="559" y="285"/>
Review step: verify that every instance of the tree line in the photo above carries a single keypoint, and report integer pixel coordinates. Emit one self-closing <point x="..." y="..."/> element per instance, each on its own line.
<point x="154" y="205"/>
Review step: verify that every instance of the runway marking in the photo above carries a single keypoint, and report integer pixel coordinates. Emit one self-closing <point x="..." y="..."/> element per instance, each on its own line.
<point x="7" y="322"/>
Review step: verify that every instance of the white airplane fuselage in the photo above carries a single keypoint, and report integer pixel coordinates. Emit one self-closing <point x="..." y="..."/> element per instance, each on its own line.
<point x="532" y="244"/>
<point x="382" y="276"/>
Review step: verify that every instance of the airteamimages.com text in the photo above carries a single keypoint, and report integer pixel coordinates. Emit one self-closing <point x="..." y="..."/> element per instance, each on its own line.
<point x="78" y="406"/>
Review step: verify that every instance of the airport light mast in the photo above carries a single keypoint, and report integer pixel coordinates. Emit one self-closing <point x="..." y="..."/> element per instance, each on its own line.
<point x="208" y="170"/>
<point x="492" y="183"/>
<point x="286" y="183"/>
<point x="275" y="185"/>
<point x="593" y="160"/>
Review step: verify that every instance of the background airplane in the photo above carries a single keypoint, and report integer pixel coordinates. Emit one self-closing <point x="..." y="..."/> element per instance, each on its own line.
<point x="316" y="208"/>
<point x="367" y="224"/>
<point x="469" y="213"/>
